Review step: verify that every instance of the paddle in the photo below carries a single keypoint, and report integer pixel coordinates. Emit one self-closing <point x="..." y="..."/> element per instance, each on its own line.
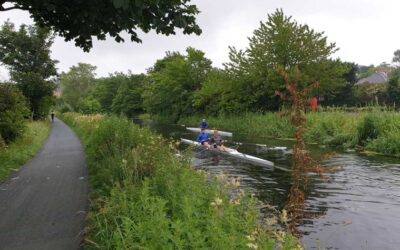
<point x="260" y="145"/>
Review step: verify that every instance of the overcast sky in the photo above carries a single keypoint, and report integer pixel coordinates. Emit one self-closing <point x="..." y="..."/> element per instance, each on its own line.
<point x="366" y="31"/>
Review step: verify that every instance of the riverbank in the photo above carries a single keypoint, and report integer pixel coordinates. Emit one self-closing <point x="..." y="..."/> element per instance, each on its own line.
<point x="372" y="131"/>
<point x="14" y="155"/>
<point x="144" y="196"/>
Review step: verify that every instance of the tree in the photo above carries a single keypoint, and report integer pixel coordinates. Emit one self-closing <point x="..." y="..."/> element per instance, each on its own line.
<point x="171" y="88"/>
<point x="220" y="93"/>
<point x="81" y="20"/>
<point x="128" y="99"/>
<point x="106" y="89"/>
<point x="77" y="83"/>
<point x="396" y="57"/>
<point x="393" y="89"/>
<point x="12" y="112"/>
<point x="282" y="43"/>
<point x="26" y="53"/>
<point x="345" y="94"/>
<point x="89" y="105"/>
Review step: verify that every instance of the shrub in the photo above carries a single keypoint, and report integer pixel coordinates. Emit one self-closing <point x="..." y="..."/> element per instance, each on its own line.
<point x="367" y="129"/>
<point x="13" y="110"/>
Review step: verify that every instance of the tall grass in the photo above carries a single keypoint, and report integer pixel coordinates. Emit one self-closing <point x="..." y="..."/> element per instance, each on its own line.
<point x="15" y="154"/>
<point x="144" y="197"/>
<point x="375" y="130"/>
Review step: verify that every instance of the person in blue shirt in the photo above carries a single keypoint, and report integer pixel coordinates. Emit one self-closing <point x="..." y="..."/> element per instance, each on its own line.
<point x="203" y="138"/>
<point x="204" y="123"/>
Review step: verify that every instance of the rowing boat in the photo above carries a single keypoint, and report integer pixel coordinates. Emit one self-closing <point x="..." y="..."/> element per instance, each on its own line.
<point x="209" y="131"/>
<point x="232" y="152"/>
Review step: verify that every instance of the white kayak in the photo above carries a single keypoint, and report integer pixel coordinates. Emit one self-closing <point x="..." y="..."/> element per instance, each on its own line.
<point x="209" y="131"/>
<point x="232" y="152"/>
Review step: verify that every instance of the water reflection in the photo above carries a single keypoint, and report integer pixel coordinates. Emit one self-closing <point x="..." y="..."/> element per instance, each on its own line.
<point x="359" y="203"/>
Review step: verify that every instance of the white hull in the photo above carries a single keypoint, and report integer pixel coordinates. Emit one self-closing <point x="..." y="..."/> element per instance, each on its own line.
<point x="234" y="153"/>
<point x="210" y="131"/>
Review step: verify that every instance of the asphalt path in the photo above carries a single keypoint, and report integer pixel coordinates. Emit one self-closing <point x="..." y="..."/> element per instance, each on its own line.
<point x="43" y="205"/>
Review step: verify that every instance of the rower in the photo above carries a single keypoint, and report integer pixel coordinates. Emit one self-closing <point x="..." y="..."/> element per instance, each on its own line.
<point x="216" y="141"/>
<point x="203" y="124"/>
<point x="203" y="138"/>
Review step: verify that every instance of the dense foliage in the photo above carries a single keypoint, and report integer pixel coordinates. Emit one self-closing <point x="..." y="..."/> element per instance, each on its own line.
<point x="77" y="83"/>
<point x="282" y="43"/>
<point x="173" y="82"/>
<point x="12" y="112"/>
<point x="82" y="20"/>
<point x="26" y="53"/>
<point x="145" y="197"/>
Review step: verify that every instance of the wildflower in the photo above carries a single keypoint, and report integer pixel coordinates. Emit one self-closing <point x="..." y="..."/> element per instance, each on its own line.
<point x="235" y="202"/>
<point x="217" y="202"/>
<point x="252" y="245"/>
<point x="271" y="221"/>
<point x="221" y="213"/>
<point x="284" y="217"/>
<point x="235" y="183"/>
<point x="250" y="237"/>
<point x="280" y="236"/>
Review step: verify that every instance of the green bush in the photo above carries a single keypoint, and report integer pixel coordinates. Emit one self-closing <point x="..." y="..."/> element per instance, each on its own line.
<point x="367" y="129"/>
<point x="13" y="110"/>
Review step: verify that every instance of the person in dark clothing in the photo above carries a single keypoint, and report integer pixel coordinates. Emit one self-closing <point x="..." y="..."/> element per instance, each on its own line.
<point x="52" y="116"/>
<point x="204" y="123"/>
<point x="203" y="138"/>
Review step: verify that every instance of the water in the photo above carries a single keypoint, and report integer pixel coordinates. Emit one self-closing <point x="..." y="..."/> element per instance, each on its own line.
<point x="357" y="207"/>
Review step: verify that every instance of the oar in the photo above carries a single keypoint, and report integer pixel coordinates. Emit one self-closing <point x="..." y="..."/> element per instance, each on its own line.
<point x="259" y="145"/>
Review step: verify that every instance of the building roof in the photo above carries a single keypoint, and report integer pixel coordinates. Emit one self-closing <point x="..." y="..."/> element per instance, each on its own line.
<point x="377" y="78"/>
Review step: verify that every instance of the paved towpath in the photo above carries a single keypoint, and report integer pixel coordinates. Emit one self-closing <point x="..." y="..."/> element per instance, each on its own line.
<point x="43" y="205"/>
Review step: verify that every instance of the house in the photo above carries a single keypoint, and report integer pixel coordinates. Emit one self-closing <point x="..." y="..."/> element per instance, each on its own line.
<point x="376" y="78"/>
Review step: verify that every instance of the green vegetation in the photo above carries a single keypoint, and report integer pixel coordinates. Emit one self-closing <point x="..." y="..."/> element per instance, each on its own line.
<point x="12" y="112"/>
<point x="26" y="54"/>
<point x="82" y="20"/>
<point x="182" y="84"/>
<point x="15" y="154"/>
<point x="376" y="130"/>
<point x="144" y="196"/>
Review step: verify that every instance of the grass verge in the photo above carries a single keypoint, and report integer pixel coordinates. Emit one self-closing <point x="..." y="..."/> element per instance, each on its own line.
<point x="145" y="197"/>
<point x="15" y="154"/>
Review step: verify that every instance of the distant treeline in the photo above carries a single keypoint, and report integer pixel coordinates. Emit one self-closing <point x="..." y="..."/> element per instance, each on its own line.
<point x="179" y="84"/>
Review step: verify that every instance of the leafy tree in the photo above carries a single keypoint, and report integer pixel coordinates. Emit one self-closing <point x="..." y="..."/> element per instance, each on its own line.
<point x="81" y="20"/>
<point x="12" y="112"/>
<point x="368" y="93"/>
<point x="106" y="89"/>
<point x="128" y="99"/>
<point x="220" y="93"/>
<point x="26" y="53"/>
<point x="282" y="43"/>
<point x="77" y="83"/>
<point x="171" y="88"/>
<point x="345" y="95"/>
<point x="396" y="57"/>
<point x="89" y="105"/>
<point x="393" y="89"/>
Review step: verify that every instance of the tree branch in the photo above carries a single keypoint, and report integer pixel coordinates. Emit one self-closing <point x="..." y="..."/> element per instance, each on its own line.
<point x="11" y="8"/>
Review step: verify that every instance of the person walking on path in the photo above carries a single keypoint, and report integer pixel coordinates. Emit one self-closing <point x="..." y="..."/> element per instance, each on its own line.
<point x="52" y="116"/>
